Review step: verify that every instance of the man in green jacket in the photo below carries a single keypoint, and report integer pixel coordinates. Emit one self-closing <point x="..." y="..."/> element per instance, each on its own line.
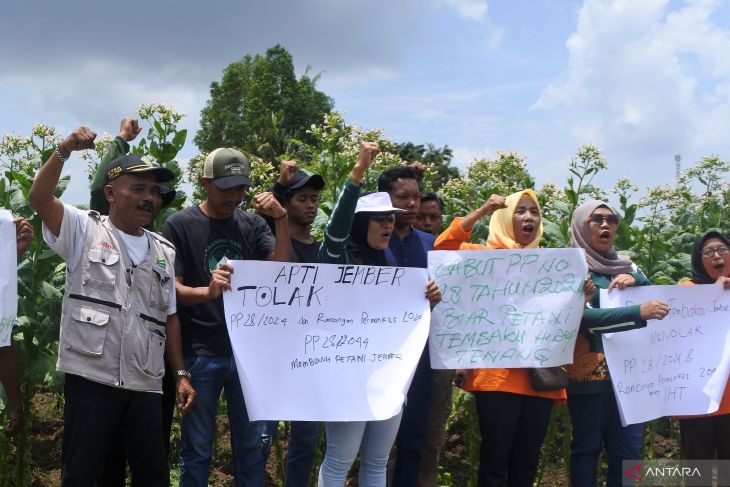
<point x="129" y="129"/>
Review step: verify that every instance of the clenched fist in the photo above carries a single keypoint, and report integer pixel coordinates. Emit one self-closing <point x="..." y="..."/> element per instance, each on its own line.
<point x="494" y="203"/>
<point x="129" y="129"/>
<point x="80" y="139"/>
<point x="286" y="172"/>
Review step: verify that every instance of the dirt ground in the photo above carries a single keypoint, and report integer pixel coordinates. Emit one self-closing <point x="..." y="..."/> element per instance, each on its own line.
<point x="48" y="427"/>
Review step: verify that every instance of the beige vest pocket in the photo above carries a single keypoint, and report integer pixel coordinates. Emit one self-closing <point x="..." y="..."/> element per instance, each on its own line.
<point x="87" y="332"/>
<point x="101" y="272"/>
<point x="155" y="365"/>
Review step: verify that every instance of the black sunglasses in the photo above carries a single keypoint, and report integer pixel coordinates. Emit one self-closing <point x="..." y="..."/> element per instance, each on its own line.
<point x="381" y="218"/>
<point x="610" y="219"/>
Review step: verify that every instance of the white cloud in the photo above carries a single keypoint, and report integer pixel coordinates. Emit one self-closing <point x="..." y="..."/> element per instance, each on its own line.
<point x="475" y="10"/>
<point x="465" y="156"/>
<point x="644" y="79"/>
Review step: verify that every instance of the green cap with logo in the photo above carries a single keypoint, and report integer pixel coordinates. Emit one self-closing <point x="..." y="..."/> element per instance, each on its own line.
<point x="227" y="168"/>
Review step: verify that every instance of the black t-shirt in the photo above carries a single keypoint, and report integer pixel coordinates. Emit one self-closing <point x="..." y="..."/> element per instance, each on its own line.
<point x="303" y="252"/>
<point x="201" y="242"/>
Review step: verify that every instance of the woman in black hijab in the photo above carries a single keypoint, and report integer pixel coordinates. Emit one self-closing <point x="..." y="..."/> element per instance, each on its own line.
<point x="708" y="435"/>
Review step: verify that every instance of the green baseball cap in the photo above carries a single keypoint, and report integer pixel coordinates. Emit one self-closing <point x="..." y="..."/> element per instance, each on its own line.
<point x="227" y="168"/>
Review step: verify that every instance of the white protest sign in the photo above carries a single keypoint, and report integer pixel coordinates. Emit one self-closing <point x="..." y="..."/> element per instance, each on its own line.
<point x="662" y="369"/>
<point x="8" y="277"/>
<point x="326" y="342"/>
<point x="506" y="308"/>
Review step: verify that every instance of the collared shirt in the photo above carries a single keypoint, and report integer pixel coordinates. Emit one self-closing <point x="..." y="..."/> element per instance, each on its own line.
<point x="411" y="251"/>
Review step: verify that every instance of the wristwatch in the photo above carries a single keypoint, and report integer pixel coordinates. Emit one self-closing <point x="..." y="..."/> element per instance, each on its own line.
<point x="183" y="373"/>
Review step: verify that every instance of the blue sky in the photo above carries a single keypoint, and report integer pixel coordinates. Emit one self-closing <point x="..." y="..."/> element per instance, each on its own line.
<point x="642" y="80"/>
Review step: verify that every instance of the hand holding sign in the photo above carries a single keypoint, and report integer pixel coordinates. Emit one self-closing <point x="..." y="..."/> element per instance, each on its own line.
<point x="220" y="280"/>
<point x="589" y="289"/>
<point x="725" y="281"/>
<point x="622" y="281"/>
<point x="654" y="310"/>
<point x="433" y="293"/>
<point x="24" y="235"/>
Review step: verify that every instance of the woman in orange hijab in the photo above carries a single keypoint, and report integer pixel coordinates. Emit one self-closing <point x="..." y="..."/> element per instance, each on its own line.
<point x="513" y="417"/>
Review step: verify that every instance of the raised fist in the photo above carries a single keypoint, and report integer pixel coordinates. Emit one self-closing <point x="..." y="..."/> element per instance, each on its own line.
<point x="129" y="129"/>
<point x="286" y="172"/>
<point x="267" y="204"/>
<point x="80" y="139"/>
<point x="418" y="167"/>
<point x="368" y="151"/>
<point x="494" y="203"/>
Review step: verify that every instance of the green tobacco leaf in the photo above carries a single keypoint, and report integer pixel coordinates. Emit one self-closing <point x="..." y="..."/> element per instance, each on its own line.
<point x="46" y="254"/>
<point x="159" y="129"/>
<point x="555" y="233"/>
<point x="62" y="185"/>
<point x="179" y="139"/>
<point x="50" y="292"/>
<point x="18" y="204"/>
<point x="21" y="178"/>
<point x="45" y="154"/>
<point x="167" y="152"/>
<point x="36" y="370"/>
<point x="154" y="150"/>
<point x="571" y="195"/>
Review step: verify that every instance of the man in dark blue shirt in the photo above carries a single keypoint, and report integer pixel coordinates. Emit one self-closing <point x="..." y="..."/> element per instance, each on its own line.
<point x="409" y="247"/>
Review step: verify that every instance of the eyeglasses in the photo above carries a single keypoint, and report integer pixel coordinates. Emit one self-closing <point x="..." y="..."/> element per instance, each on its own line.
<point x="598" y="218"/>
<point x="708" y="253"/>
<point x="382" y="218"/>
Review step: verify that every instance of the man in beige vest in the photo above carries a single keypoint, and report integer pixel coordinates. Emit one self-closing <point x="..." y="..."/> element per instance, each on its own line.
<point x="118" y="317"/>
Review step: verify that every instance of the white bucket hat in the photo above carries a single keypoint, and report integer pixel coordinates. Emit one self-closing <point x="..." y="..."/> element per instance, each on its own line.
<point x="376" y="203"/>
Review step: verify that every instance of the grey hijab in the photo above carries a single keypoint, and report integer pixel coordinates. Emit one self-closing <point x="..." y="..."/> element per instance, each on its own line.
<point x="608" y="263"/>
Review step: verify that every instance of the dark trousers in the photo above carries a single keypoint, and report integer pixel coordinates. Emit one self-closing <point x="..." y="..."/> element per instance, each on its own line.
<point x="300" y="453"/>
<point x="706" y="437"/>
<point x="114" y="471"/>
<point x="513" y="427"/>
<point x="597" y="425"/>
<point x="93" y="413"/>
<point x="413" y="425"/>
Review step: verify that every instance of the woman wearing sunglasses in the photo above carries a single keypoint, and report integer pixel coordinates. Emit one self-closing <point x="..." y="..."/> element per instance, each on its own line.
<point x="591" y="401"/>
<point x="358" y="232"/>
<point x="708" y="436"/>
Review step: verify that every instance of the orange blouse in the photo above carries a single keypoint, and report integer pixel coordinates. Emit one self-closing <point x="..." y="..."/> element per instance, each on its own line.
<point x="516" y="381"/>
